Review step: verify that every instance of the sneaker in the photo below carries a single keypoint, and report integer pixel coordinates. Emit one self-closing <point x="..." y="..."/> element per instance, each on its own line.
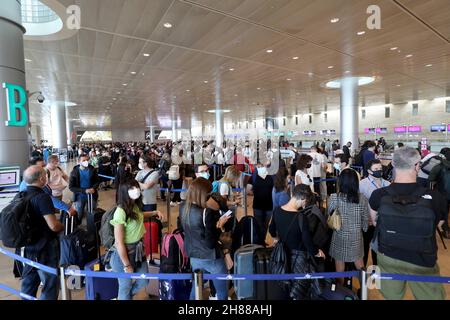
<point x="173" y="204"/>
<point x="213" y="297"/>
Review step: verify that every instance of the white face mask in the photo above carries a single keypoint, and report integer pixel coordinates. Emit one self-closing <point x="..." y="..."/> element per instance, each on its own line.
<point x="141" y="166"/>
<point x="337" y="166"/>
<point x="262" y="172"/>
<point x="204" y="175"/>
<point x="134" y="193"/>
<point x="85" y="163"/>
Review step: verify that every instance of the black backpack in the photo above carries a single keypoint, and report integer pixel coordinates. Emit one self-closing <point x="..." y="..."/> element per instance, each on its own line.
<point x="406" y="223"/>
<point x="428" y="165"/>
<point x="444" y="182"/>
<point x="18" y="228"/>
<point x="317" y="221"/>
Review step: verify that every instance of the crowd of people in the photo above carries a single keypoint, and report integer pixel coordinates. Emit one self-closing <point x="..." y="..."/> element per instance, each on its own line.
<point x="369" y="202"/>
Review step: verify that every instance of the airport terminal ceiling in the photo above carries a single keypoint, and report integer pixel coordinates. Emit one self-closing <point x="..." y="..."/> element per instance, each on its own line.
<point x="136" y="63"/>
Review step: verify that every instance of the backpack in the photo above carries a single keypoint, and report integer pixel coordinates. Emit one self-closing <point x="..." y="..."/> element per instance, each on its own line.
<point x="444" y="182"/>
<point x="431" y="162"/>
<point x="17" y="226"/>
<point x="174" y="259"/>
<point x="174" y="172"/>
<point x="107" y="230"/>
<point x="74" y="249"/>
<point x="406" y="223"/>
<point x="320" y="233"/>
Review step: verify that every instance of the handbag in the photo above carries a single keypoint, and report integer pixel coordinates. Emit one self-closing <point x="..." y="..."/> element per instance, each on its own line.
<point x="334" y="221"/>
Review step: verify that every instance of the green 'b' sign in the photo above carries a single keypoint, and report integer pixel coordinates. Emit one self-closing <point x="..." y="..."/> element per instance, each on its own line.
<point x="13" y="105"/>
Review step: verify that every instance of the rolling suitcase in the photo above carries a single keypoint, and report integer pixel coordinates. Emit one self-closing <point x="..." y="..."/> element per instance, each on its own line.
<point x="334" y="291"/>
<point x="152" y="237"/>
<point x="100" y="288"/>
<point x="151" y="243"/>
<point x="76" y="246"/>
<point x="270" y="289"/>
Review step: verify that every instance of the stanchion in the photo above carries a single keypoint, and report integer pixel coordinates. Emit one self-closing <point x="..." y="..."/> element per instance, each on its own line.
<point x="168" y="196"/>
<point x="244" y="195"/>
<point x="215" y="172"/>
<point x="363" y="281"/>
<point x="198" y="284"/>
<point x="65" y="294"/>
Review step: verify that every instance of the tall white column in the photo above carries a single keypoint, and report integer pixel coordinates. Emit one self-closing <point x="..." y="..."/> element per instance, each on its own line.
<point x="219" y="128"/>
<point x="59" y="132"/>
<point x="349" y="111"/>
<point x="14" y="142"/>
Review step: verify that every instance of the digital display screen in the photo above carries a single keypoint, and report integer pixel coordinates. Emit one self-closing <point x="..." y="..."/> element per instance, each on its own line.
<point x="437" y="128"/>
<point x="8" y="178"/>
<point x="309" y="133"/>
<point x="414" y="129"/>
<point x="327" y="132"/>
<point x="400" y="129"/>
<point x="369" y="130"/>
<point x="381" y="130"/>
<point x="96" y="136"/>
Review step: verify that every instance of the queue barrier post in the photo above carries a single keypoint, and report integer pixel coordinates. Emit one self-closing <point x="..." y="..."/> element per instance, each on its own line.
<point x="363" y="281"/>
<point x="198" y="284"/>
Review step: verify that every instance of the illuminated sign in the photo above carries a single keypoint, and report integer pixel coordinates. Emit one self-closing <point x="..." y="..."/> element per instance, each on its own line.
<point x="438" y="128"/>
<point x="16" y="98"/>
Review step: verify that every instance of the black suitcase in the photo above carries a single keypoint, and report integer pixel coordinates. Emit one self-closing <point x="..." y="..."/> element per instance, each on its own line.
<point x="93" y="223"/>
<point x="333" y="291"/>
<point x="270" y="289"/>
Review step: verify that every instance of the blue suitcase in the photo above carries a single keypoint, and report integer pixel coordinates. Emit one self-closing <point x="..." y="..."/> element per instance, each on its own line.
<point x="100" y="288"/>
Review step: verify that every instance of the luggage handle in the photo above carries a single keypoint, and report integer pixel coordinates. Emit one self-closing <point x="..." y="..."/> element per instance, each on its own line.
<point x="70" y="220"/>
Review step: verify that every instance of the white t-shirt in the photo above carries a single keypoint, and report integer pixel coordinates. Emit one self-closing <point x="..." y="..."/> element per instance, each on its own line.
<point x="224" y="189"/>
<point x="304" y="179"/>
<point x="317" y="163"/>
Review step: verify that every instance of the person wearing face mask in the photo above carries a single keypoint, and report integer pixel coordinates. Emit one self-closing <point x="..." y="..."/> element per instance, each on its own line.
<point x="417" y="211"/>
<point x="128" y="252"/>
<point x="148" y="178"/>
<point x="261" y="186"/>
<point x="83" y="180"/>
<point x="45" y="249"/>
<point x="298" y="242"/>
<point x="368" y="185"/>
<point x="304" y="162"/>
<point x="340" y="163"/>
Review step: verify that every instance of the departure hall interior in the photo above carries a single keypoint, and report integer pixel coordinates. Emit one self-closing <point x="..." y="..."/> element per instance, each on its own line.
<point x="146" y="138"/>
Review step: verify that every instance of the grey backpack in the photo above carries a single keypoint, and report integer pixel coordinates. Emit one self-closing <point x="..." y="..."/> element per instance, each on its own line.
<point x="107" y="230"/>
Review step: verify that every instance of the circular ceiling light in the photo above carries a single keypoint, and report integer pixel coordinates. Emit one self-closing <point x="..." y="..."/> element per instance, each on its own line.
<point x="362" y="81"/>
<point x="167" y="25"/>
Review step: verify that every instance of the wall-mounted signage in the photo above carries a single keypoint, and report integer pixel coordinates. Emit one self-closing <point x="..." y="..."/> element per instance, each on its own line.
<point x="309" y="132"/>
<point x="327" y="132"/>
<point x="438" y="128"/>
<point x="401" y="129"/>
<point x="381" y="130"/>
<point x="16" y="98"/>
<point x="414" y="129"/>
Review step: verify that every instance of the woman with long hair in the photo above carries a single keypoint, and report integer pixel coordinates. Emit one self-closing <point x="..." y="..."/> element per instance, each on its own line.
<point x="229" y="180"/>
<point x="304" y="162"/>
<point x="347" y="244"/>
<point x="202" y="227"/>
<point x="280" y="192"/>
<point x="128" y="253"/>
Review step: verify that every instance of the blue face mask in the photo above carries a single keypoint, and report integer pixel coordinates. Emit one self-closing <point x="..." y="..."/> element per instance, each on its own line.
<point x="204" y="175"/>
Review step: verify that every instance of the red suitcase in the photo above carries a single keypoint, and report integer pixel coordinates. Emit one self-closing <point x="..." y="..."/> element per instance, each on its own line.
<point x="152" y="236"/>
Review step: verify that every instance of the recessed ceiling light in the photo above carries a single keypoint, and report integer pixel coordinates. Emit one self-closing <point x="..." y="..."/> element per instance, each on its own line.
<point x="231" y="69"/>
<point x="429" y="65"/>
<point x="133" y="72"/>
<point x="334" y="20"/>
<point x="288" y="79"/>
<point x="295" y="58"/>
<point x="347" y="71"/>
<point x="330" y="67"/>
<point x="124" y="84"/>
<point x="206" y="81"/>
<point x="28" y="60"/>
<point x="258" y="88"/>
<point x="187" y="90"/>
<point x="146" y="54"/>
<point x="118" y="92"/>
<point x="310" y="74"/>
<point x="394" y="48"/>
<point x="40" y="77"/>
<point x="409" y="56"/>
<point x="143" y="74"/>
<point x="399" y="85"/>
<point x="269" y="50"/>
<point x="167" y="25"/>
<point x="114" y="99"/>
<point x="360" y="33"/>
<point x="235" y="95"/>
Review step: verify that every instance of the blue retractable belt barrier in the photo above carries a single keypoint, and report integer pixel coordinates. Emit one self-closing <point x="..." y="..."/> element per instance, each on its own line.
<point x="107" y="177"/>
<point x="34" y="264"/>
<point x="17" y="293"/>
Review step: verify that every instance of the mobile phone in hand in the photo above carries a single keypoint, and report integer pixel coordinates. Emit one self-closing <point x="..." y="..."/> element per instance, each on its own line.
<point x="228" y="213"/>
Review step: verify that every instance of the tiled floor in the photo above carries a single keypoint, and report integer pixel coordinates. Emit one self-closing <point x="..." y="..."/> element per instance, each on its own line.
<point x="106" y="201"/>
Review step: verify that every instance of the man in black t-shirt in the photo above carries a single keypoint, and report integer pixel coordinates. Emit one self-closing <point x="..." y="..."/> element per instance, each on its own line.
<point x="46" y="250"/>
<point x="393" y="257"/>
